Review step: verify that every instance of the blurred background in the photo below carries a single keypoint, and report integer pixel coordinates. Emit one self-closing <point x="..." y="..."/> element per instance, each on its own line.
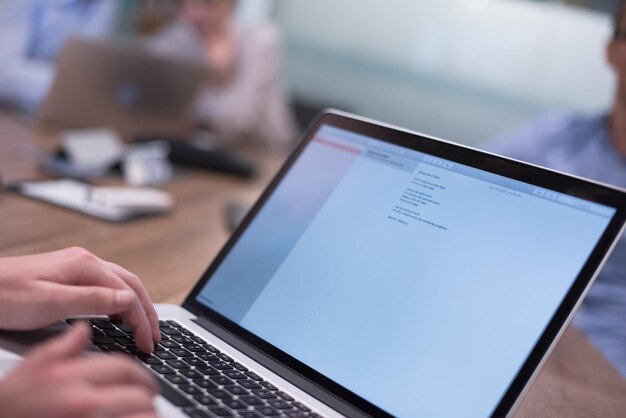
<point x="463" y="70"/>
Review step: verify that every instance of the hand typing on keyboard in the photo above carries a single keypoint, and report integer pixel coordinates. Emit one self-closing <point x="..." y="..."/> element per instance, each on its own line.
<point x="38" y="290"/>
<point x="56" y="381"/>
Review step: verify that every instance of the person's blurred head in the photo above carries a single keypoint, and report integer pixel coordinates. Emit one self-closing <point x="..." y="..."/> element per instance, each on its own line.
<point x="616" y="49"/>
<point x="207" y="16"/>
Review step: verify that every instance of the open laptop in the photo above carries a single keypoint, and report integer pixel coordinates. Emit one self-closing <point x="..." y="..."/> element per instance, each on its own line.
<point x="384" y="273"/>
<point x="124" y="85"/>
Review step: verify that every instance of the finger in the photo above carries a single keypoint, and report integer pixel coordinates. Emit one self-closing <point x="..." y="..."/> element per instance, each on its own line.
<point x="66" y="301"/>
<point x="71" y="344"/>
<point x="123" y="400"/>
<point x="135" y="283"/>
<point x="85" y="269"/>
<point x="134" y="313"/>
<point x="105" y="370"/>
<point x="135" y="316"/>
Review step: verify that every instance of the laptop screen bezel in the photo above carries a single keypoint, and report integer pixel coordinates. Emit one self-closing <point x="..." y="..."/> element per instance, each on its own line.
<point x="460" y="154"/>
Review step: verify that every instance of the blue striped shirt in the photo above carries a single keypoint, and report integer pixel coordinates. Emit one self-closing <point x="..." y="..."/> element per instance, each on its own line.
<point x="32" y="33"/>
<point x="582" y="146"/>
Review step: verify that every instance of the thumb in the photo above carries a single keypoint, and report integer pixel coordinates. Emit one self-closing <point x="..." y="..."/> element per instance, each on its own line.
<point x="70" y="344"/>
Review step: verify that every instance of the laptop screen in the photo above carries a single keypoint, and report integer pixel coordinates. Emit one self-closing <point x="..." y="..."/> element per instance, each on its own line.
<point x="408" y="279"/>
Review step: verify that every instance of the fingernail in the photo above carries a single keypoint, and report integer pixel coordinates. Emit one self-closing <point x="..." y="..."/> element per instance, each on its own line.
<point x="124" y="297"/>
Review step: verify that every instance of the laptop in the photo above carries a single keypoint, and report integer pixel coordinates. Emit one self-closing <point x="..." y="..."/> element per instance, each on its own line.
<point x="383" y="273"/>
<point x="124" y="85"/>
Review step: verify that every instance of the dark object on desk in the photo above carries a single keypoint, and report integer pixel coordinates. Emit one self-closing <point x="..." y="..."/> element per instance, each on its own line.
<point x="58" y="163"/>
<point x="186" y="154"/>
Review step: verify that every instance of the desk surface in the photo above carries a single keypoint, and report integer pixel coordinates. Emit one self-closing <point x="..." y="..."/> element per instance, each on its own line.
<point x="170" y="253"/>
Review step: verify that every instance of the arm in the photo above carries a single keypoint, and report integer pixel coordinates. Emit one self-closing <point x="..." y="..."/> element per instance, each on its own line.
<point x="38" y="290"/>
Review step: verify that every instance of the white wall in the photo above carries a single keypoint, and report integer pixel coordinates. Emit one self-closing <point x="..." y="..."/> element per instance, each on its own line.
<point x="463" y="69"/>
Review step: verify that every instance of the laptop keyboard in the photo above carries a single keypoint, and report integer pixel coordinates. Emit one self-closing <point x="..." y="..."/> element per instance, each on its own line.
<point x="199" y="378"/>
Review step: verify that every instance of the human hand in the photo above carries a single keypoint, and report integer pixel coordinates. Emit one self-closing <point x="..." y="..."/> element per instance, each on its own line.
<point x="55" y="381"/>
<point x="38" y="290"/>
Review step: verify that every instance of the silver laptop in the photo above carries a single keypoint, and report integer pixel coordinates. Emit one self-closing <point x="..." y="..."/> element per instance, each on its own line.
<point x="124" y="85"/>
<point x="383" y="273"/>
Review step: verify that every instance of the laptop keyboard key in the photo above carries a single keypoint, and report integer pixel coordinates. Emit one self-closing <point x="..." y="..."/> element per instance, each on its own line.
<point x="207" y="357"/>
<point x="181" y="352"/>
<point x="208" y="371"/>
<point x="125" y="341"/>
<point x="301" y="406"/>
<point x="195" y="348"/>
<point x="190" y="389"/>
<point x="249" y="414"/>
<point x="234" y="374"/>
<point x="237" y="390"/>
<point x="181" y="340"/>
<point x="178" y="364"/>
<point x="196" y="362"/>
<point x="235" y="404"/>
<point x="162" y="369"/>
<point x="225" y="357"/>
<point x="196" y="413"/>
<point x="221" y="412"/>
<point x="220" y="365"/>
<point x="211" y="349"/>
<point x="176" y="379"/>
<point x="296" y="414"/>
<point x="251" y="400"/>
<point x="102" y="323"/>
<point x="264" y="393"/>
<point x="115" y="333"/>
<point x="220" y="394"/>
<point x="285" y="396"/>
<point x="165" y="355"/>
<point x="280" y="404"/>
<point x="149" y="359"/>
<point x="191" y="374"/>
<point x="170" y="331"/>
<point x="239" y="366"/>
<point x="205" y="384"/>
<point x="249" y="384"/>
<point x="205" y="400"/>
<point x="269" y="386"/>
<point x="169" y="344"/>
<point x="268" y="411"/>
<point x="173" y="395"/>
<point x="221" y="380"/>
<point x="124" y="327"/>
<point x="253" y="376"/>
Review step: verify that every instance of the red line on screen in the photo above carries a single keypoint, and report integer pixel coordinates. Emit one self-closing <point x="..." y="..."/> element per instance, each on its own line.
<point x="338" y="146"/>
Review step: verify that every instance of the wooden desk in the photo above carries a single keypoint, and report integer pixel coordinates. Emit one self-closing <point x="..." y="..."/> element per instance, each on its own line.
<point x="170" y="253"/>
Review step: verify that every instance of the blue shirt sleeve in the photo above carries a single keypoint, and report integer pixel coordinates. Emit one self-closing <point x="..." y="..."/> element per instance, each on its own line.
<point x="533" y="141"/>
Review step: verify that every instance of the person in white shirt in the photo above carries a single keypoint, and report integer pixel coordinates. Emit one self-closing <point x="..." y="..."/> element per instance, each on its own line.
<point x="244" y="99"/>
